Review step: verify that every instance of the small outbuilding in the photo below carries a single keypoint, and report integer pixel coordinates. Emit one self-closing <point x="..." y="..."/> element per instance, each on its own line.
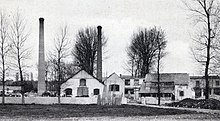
<point x="82" y="84"/>
<point x="114" y="90"/>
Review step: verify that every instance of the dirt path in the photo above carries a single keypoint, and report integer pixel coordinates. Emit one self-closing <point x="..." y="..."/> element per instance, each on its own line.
<point x="182" y="108"/>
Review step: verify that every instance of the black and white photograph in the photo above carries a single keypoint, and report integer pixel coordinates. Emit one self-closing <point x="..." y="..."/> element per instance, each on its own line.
<point x="109" y="60"/>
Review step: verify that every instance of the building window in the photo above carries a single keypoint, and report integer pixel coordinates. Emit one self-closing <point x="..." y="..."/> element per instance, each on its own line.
<point x="82" y="82"/>
<point x="136" y="82"/>
<point x="68" y="92"/>
<point x="96" y="91"/>
<point x="217" y="83"/>
<point x="217" y="91"/>
<point x="168" y="83"/>
<point x="114" y="87"/>
<point x="197" y="83"/>
<point x="167" y="95"/>
<point x="181" y="93"/>
<point x="198" y="93"/>
<point x="129" y="91"/>
<point x="127" y="81"/>
<point x="82" y="91"/>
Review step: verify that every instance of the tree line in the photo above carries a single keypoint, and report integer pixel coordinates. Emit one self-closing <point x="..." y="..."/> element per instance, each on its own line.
<point x="15" y="34"/>
<point x="145" y="52"/>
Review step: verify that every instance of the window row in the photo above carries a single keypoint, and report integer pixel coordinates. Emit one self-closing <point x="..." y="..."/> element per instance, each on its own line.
<point x="127" y="82"/>
<point x="217" y="83"/>
<point x="81" y="92"/>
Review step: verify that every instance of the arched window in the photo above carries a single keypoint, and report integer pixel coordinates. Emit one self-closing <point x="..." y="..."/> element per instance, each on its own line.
<point x="68" y="91"/>
<point x="96" y="91"/>
<point x="82" y="82"/>
<point x="114" y="87"/>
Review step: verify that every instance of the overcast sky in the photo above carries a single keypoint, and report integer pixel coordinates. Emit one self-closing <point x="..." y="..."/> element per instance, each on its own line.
<point x="119" y="19"/>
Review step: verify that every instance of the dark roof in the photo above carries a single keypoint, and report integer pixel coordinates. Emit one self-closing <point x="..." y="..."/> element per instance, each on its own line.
<point x="177" y="78"/>
<point x="129" y="77"/>
<point x="203" y="77"/>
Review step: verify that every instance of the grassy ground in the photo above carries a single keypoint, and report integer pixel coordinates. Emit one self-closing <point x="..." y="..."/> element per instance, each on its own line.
<point x="65" y="111"/>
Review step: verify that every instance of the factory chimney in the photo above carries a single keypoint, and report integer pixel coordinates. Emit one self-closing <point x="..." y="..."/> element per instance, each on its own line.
<point x="99" y="54"/>
<point x="41" y="59"/>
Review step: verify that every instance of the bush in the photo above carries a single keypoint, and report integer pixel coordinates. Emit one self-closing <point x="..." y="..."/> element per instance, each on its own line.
<point x="192" y="103"/>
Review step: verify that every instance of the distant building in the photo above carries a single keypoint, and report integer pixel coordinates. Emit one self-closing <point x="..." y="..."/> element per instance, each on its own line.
<point x="173" y="86"/>
<point x="132" y="86"/>
<point x="198" y="85"/>
<point x="10" y="89"/>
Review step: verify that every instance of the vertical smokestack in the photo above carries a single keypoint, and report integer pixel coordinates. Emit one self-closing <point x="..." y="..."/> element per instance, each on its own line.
<point x="99" y="54"/>
<point x="41" y="59"/>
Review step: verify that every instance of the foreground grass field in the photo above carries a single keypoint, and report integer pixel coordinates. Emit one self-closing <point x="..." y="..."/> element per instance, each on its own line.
<point x="65" y="111"/>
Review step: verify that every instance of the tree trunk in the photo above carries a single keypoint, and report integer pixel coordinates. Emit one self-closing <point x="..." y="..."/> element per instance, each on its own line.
<point x="158" y="76"/>
<point x="59" y="78"/>
<point x="3" y="71"/>
<point x="22" y="85"/>
<point x="132" y="68"/>
<point x="208" y="57"/>
<point x="3" y="81"/>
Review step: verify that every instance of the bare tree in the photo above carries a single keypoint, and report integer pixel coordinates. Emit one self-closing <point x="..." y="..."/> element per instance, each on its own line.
<point x="129" y="67"/>
<point x="85" y="49"/>
<point x="19" y="52"/>
<point x="4" y="49"/>
<point x="161" y="45"/>
<point x="60" y="53"/>
<point x="206" y="15"/>
<point x="142" y="51"/>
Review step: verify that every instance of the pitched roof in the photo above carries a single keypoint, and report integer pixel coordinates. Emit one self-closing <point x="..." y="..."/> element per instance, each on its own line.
<point x="128" y="77"/>
<point x="203" y="77"/>
<point x="87" y="73"/>
<point x="112" y="75"/>
<point x="177" y="78"/>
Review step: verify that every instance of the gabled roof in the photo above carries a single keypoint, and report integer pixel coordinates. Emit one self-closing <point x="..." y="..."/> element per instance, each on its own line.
<point x="177" y="78"/>
<point x="85" y="72"/>
<point x="111" y="76"/>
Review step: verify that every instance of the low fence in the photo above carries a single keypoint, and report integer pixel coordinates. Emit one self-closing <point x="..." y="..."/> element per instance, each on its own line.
<point x="51" y="100"/>
<point x="154" y="100"/>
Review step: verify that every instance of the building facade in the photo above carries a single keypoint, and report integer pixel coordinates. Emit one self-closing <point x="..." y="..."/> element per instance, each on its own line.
<point x="198" y="85"/>
<point x="114" y="90"/>
<point x="82" y="85"/>
<point x="173" y="87"/>
<point x="132" y="86"/>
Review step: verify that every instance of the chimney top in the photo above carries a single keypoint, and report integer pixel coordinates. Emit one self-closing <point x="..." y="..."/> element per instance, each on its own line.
<point x="41" y="19"/>
<point x="99" y="27"/>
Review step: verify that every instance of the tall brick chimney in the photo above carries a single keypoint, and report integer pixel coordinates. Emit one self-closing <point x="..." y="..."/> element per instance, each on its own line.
<point x="99" y="54"/>
<point x="41" y="60"/>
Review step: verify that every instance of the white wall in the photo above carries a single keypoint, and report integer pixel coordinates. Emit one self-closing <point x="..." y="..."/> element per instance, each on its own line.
<point x="115" y="79"/>
<point x="51" y="100"/>
<point x="74" y="83"/>
<point x="154" y="100"/>
<point x="188" y="92"/>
